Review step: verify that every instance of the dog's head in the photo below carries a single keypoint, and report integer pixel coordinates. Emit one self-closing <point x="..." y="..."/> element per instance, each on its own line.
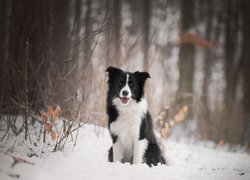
<point x="126" y="86"/>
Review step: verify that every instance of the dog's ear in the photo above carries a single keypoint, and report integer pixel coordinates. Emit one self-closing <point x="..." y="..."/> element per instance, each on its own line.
<point x="143" y="76"/>
<point x="113" y="71"/>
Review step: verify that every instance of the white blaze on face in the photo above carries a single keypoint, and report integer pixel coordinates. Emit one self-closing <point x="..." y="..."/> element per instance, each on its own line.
<point x="125" y="93"/>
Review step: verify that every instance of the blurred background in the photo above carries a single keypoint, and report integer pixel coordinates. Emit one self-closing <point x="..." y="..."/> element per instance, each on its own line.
<point x="55" y="52"/>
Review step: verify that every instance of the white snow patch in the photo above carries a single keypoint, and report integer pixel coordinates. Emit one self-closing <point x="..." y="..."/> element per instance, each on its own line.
<point x="88" y="160"/>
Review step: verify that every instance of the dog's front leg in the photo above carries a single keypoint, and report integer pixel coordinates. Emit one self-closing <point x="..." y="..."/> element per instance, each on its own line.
<point x="117" y="152"/>
<point x="139" y="150"/>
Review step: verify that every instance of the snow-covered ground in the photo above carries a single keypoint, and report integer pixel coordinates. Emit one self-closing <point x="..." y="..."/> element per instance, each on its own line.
<point x="88" y="160"/>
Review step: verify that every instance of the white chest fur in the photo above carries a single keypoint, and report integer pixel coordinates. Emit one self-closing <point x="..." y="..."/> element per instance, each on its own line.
<point x="127" y="128"/>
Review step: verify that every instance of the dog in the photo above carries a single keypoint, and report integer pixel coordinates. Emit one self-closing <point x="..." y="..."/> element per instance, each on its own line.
<point x="129" y="121"/>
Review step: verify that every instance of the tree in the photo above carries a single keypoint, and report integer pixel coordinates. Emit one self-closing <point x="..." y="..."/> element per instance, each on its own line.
<point x="204" y="114"/>
<point x="232" y="128"/>
<point x="113" y="53"/>
<point x="186" y="59"/>
<point x="141" y="10"/>
<point x="245" y="64"/>
<point x="145" y="30"/>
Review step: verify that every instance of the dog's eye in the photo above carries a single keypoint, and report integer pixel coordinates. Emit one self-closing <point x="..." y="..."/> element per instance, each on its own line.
<point x="131" y="83"/>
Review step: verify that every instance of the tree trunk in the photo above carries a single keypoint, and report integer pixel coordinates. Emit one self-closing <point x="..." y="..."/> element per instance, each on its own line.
<point x="230" y="133"/>
<point x="86" y="68"/>
<point x="61" y="51"/>
<point x="113" y="53"/>
<point x="76" y="29"/>
<point x="245" y="65"/>
<point x="3" y="49"/>
<point x="146" y="13"/>
<point x="87" y="35"/>
<point x="204" y="121"/>
<point x="186" y="60"/>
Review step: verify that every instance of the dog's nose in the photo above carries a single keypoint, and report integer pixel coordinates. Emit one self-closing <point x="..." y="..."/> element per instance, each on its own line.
<point x="124" y="93"/>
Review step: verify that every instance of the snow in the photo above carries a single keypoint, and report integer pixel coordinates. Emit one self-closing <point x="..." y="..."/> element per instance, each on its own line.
<point x="88" y="160"/>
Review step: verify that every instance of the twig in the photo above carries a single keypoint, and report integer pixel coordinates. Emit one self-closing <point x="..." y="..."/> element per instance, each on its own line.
<point x="10" y="174"/>
<point x="42" y="150"/>
<point x="19" y="160"/>
<point x="13" y="175"/>
<point x="30" y="111"/>
<point x="5" y="133"/>
<point x="64" y="138"/>
<point x="26" y="90"/>
<point x="76" y="137"/>
<point x="11" y="118"/>
<point x="32" y="154"/>
<point x="68" y="132"/>
<point x="78" y="128"/>
<point x="37" y="69"/>
<point x="44" y="131"/>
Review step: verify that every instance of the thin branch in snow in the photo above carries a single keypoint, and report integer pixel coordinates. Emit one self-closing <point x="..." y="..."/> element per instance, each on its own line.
<point x="78" y="128"/>
<point x="10" y="174"/>
<point x="19" y="160"/>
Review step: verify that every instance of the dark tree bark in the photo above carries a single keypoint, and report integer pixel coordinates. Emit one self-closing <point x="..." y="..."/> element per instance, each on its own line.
<point x="60" y="48"/>
<point x="141" y="11"/>
<point x="87" y="35"/>
<point x="113" y="53"/>
<point x="28" y="23"/>
<point x="231" y="62"/>
<point x="86" y="68"/>
<point x="60" y="30"/>
<point x="77" y="18"/>
<point x="245" y="65"/>
<point x="76" y="29"/>
<point x="204" y="121"/>
<point x="186" y="59"/>
<point x="145" y="30"/>
<point x="38" y="24"/>
<point x="230" y="39"/>
<point x="3" y="51"/>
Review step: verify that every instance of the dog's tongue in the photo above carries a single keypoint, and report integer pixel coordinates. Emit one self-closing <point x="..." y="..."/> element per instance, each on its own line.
<point x="124" y="100"/>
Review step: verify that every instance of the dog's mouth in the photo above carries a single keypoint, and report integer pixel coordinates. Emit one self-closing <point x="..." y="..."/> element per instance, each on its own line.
<point x="124" y="100"/>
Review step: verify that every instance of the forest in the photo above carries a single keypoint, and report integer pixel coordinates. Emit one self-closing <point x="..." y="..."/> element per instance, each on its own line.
<point x="197" y="53"/>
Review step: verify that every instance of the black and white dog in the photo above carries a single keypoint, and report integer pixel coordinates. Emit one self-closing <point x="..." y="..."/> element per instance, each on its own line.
<point x="130" y="123"/>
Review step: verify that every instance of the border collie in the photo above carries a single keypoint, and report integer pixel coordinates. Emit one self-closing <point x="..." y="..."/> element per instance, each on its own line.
<point x="130" y="123"/>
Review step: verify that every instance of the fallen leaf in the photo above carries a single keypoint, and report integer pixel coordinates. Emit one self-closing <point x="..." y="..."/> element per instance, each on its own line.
<point x="53" y="135"/>
<point x="49" y="111"/>
<point x="56" y="113"/>
<point x="221" y="142"/>
<point x="47" y="127"/>
<point x="43" y="118"/>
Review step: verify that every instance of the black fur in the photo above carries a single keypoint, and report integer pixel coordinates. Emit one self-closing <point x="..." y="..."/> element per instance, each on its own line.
<point x="114" y="138"/>
<point x="117" y="79"/>
<point x="110" y="156"/>
<point x="112" y="112"/>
